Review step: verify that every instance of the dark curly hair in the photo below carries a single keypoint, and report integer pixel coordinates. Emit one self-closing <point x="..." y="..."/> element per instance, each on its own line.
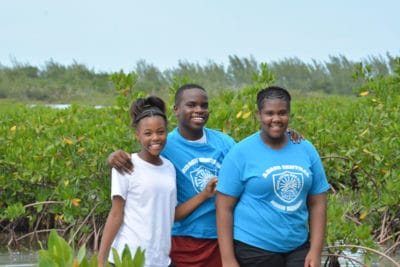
<point x="147" y="107"/>
<point x="273" y="92"/>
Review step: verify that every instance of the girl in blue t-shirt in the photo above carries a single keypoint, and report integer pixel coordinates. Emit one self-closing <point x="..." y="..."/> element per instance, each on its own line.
<point x="271" y="203"/>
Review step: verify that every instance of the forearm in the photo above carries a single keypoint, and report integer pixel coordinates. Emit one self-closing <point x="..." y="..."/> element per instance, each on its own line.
<point x="190" y="205"/>
<point x="317" y="212"/>
<point x="225" y="229"/>
<point x="184" y="209"/>
<point x="111" y="228"/>
<point x="225" y="235"/>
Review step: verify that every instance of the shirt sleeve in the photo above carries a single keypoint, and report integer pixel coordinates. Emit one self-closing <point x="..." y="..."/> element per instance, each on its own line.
<point x="229" y="181"/>
<point x="320" y="182"/>
<point x="119" y="184"/>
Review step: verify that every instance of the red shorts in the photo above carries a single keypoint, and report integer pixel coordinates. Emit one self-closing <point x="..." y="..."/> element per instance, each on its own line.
<point x="195" y="252"/>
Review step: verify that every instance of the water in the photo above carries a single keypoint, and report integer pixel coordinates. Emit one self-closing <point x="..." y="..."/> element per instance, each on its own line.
<point x="65" y="106"/>
<point x="18" y="259"/>
<point x="355" y="260"/>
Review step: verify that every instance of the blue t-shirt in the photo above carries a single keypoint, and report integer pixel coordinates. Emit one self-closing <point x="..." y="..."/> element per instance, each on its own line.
<point x="195" y="164"/>
<point x="272" y="186"/>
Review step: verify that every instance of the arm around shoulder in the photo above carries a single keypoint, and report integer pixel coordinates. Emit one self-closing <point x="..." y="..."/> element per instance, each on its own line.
<point x="121" y="161"/>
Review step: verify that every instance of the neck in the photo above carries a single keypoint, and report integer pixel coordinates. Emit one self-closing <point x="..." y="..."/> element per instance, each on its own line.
<point x="275" y="143"/>
<point x="155" y="160"/>
<point x="191" y="135"/>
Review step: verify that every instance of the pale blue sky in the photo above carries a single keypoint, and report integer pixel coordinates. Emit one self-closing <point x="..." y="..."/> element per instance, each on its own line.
<point x="113" y="35"/>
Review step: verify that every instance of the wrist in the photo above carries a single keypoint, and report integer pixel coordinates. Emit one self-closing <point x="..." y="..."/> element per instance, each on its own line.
<point x="204" y="195"/>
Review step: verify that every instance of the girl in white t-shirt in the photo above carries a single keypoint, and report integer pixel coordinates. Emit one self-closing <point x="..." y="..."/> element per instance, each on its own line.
<point x="143" y="202"/>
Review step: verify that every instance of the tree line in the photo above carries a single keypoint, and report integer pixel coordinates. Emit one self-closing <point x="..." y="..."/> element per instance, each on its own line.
<point x="55" y="82"/>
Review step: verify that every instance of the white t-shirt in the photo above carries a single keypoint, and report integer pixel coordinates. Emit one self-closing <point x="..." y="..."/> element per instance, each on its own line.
<point x="150" y="200"/>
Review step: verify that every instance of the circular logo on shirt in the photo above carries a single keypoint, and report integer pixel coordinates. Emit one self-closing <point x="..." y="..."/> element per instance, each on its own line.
<point x="201" y="176"/>
<point x="288" y="185"/>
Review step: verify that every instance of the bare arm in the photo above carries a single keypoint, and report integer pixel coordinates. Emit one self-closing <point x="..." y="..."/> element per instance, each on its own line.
<point x="121" y="161"/>
<point x="225" y="205"/>
<point x="317" y="209"/>
<point x="184" y="209"/>
<point x="114" y="221"/>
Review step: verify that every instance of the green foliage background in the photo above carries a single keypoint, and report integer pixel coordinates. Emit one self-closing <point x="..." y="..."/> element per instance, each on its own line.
<point x="53" y="171"/>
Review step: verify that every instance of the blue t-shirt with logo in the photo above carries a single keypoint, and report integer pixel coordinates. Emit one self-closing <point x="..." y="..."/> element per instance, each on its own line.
<point x="195" y="164"/>
<point x="272" y="186"/>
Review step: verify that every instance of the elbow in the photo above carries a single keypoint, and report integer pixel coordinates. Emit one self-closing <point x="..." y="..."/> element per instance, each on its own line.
<point x="177" y="217"/>
<point x="117" y="217"/>
<point x="180" y="213"/>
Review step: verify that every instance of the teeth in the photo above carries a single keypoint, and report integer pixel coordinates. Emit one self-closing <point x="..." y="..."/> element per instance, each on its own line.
<point x="155" y="145"/>
<point x="198" y="118"/>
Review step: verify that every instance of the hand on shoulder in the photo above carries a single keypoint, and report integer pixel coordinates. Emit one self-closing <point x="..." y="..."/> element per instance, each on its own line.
<point x="121" y="161"/>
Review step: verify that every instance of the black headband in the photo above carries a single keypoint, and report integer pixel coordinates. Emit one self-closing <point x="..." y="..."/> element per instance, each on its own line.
<point x="152" y="111"/>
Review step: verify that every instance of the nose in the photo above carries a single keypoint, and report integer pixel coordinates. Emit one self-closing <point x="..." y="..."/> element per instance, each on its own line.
<point x="276" y="117"/>
<point x="199" y="109"/>
<point x="154" y="137"/>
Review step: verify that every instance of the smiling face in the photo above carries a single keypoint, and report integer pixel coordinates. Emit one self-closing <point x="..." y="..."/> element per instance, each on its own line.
<point x="151" y="132"/>
<point x="274" y="119"/>
<point x="192" y="112"/>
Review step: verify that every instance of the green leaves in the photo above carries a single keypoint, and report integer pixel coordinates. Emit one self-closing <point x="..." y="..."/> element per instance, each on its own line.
<point x="60" y="254"/>
<point x="13" y="212"/>
<point x="126" y="259"/>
